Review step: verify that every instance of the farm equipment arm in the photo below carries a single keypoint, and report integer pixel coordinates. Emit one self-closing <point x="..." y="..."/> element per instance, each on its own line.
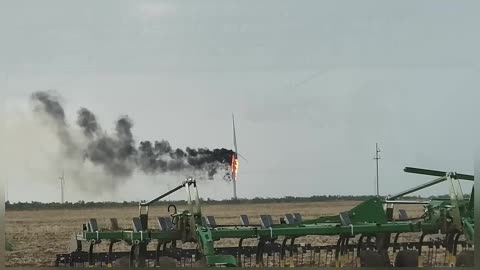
<point x="462" y="212"/>
<point x="436" y="173"/>
<point x="188" y="182"/>
<point x="442" y="175"/>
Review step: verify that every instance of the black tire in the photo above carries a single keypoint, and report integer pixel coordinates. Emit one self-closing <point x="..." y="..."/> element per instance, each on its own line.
<point x="406" y="258"/>
<point x="465" y="259"/>
<point x="371" y="258"/>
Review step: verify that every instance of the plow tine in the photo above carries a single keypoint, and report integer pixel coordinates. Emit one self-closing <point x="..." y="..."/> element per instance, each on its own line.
<point x="359" y="248"/>
<point x="450" y="242"/>
<point x="158" y="252"/>
<point x="91" y="260"/>
<point x="345" y="250"/>
<point x="282" y="252"/>
<point x="291" y="251"/>
<point x="109" y="256"/>
<point x="332" y="259"/>
<point x="312" y="256"/>
<point x="326" y="257"/>
<point x="259" y="254"/>
<point x="338" y="248"/>
<point x="455" y="243"/>
<point x="131" y="257"/>
<point x="239" y="252"/>
<point x="431" y="254"/>
<point x="319" y="256"/>
<point x="302" y="252"/>
<point x="395" y="241"/>
<point x="419" y="247"/>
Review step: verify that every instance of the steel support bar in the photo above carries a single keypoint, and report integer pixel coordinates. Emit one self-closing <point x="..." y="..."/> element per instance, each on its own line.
<point x="406" y="202"/>
<point x="188" y="182"/>
<point x="219" y="233"/>
<point x="324" y="230"/>
<point x="417" y="188"/>
<point x="436" y="173"/>
<point x="130" y="236"/>
<point x="442" y="175"/>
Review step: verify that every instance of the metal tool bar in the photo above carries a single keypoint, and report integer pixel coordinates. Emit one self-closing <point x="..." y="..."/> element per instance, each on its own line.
<point x="406" y="202"/>
<point x="187" y="182"/>
<point x="417" y="188"/>
<point x="436" y="173"/>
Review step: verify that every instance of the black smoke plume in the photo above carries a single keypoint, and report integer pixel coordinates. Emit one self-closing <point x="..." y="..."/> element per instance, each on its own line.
<point x="48" y="103"/>
<point x="117" y="153"/>
<point x="88" y="122"/>
<point x="160" y="157"/>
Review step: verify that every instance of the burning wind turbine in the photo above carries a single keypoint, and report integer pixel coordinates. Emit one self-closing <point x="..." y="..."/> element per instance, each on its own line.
<point x="234" y="164"/>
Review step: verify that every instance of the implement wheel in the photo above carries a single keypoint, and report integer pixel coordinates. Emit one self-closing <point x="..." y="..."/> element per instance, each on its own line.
<point x="406" y="258"/>
<point x="371" y="258"/>
<point x="465" y="259"/>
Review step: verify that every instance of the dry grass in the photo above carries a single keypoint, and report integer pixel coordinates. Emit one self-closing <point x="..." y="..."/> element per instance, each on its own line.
<point x="38" y="235"/>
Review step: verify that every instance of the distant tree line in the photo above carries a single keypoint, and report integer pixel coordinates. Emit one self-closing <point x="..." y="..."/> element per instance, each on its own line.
<point x="289" y="199"/>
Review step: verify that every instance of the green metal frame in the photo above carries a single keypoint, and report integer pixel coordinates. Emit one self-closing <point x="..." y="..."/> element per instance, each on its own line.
<point x="367" y="218"/>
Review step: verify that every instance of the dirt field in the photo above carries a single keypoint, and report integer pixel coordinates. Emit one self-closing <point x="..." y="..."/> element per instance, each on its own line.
<point x="37" y="236"/>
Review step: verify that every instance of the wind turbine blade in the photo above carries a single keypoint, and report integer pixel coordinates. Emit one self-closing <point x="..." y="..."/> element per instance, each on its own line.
<point x="234" y="135"/>
<point x="238" y="154"/>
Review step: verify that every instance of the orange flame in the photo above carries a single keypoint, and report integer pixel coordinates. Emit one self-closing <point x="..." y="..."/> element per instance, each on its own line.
<point x="234" y="167"/>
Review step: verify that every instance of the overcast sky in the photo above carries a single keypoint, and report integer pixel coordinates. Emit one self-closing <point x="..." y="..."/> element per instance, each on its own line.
<point x="313" y="85"/>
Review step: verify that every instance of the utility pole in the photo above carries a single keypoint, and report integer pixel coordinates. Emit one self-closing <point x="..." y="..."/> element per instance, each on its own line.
<point x="62" y="187"/>
<point x="377" y="157"/>
<point x="2" y="122"/>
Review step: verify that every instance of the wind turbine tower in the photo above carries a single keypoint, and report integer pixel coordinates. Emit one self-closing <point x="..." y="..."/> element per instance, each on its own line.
<point x="234" y="161"/>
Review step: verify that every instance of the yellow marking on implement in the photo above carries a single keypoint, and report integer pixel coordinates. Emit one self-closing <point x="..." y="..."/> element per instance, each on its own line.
<point x="453" y="260"/>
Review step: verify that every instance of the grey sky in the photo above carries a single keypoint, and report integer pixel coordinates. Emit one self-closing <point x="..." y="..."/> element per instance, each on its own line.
<point x="313" y="85"/>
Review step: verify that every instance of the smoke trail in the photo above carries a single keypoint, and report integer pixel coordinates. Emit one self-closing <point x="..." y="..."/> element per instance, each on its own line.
<point x="117" y="154"/>
<point x="162" y="158"/>
<point x="88" y="122"/>
<point x="48" y="103"/>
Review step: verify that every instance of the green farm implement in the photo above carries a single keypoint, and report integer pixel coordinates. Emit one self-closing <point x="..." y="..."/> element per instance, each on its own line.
<point x="368" y="235"/>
